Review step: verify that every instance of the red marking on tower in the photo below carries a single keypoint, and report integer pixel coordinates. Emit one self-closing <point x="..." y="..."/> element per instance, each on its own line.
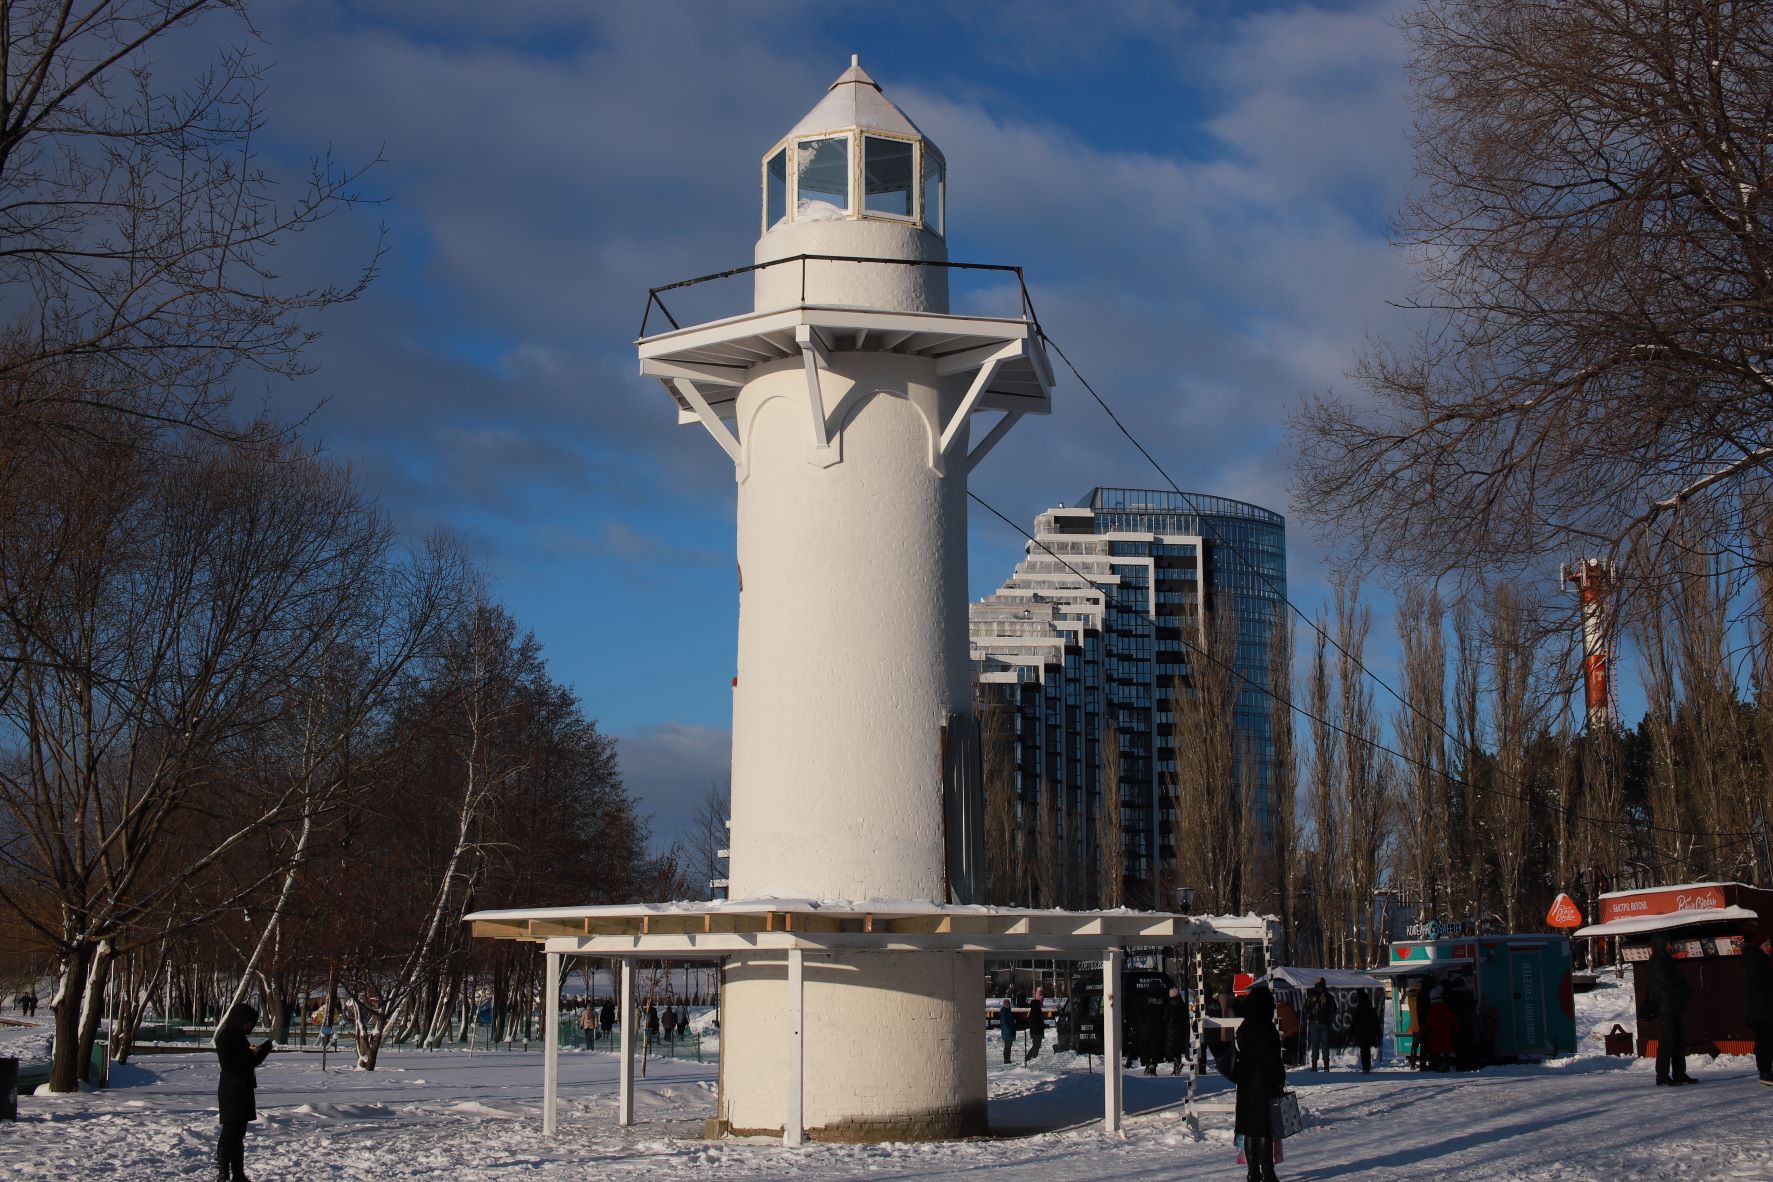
<point x="1593" y="580"/>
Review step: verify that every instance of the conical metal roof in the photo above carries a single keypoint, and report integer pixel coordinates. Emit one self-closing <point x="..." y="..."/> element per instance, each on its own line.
<point x="855" y="100"/>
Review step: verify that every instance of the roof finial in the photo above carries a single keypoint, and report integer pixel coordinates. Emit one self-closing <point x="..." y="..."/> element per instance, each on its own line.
<point x="855" y="59"/>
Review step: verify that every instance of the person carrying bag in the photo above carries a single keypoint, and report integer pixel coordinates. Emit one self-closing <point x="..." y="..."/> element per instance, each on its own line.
<point x="1262" y="1108"/>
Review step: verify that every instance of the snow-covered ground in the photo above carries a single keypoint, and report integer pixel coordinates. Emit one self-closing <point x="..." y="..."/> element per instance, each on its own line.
<point x="447" y="1115"/>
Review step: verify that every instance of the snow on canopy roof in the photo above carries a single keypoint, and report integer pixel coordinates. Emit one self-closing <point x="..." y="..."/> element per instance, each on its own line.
<point x="882" y="908"/>
<point x="1303" y="978"/>
<point x="1673" y="886"/>
<point x="1640" y="925"/>
<point x="855" y="100"/>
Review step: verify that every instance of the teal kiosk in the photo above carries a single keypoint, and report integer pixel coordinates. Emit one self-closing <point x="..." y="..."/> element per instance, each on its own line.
<point x="1525" y="979"/>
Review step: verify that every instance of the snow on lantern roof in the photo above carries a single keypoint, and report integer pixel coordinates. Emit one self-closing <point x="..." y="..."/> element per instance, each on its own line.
<point x="855" y="100"/>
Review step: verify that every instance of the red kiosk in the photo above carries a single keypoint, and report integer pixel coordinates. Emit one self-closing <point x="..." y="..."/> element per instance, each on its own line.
<point x="1707" y="924"/>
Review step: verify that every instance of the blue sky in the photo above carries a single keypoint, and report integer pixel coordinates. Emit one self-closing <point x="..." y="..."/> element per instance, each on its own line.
<point x="1199" y="194"/>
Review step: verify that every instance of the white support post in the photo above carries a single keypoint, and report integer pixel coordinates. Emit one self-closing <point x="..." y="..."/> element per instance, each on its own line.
<point x="551" y="1045"/>
<point x="1197" y="1024"/>
<point x="1111" y="1048"/>
<point x="625" y="1089"/>
<point x="791" y="1122"/>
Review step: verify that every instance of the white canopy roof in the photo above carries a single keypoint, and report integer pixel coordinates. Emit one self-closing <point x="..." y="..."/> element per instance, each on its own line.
<point x="1641" y="925"/>
<point x="1303" y="978"/>
<point x="1422" y="968"/>
<point x="855" y="100"/>
<point x="721" y="927"/>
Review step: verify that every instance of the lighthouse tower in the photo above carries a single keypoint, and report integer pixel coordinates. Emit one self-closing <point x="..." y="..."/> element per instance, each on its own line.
<point x="846" y="401"/>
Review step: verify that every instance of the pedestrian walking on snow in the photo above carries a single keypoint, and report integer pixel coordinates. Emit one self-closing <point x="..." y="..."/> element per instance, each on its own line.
<point x="235" y="1094"/>
<point x="1261" y="1078"/>
<point x="1363" y="1028"/>
<point x="1320" y="1015"/>
<point x="606" y="1017"/>
<point x="1037" y="1023"/>
<point x="1006" y="1025"/>
<point x="1757" y="1002"/>
<point x="587" y="1022"/>
<point x="1669" y="994"/>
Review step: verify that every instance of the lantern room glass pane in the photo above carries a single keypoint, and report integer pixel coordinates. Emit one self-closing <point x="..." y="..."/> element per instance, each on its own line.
<point x="889" y="169"/>
<point x="822" y="178"/>
<point x="775" y="189"/>
<point x="935" y="194"/>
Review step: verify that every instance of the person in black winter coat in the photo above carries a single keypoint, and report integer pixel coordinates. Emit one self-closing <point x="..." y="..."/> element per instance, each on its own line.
<point x="606" y="1017"/>
<point x="1669" y="993"/>
<point x="1148" y="1029"/>
<point x="1320" y="1017"/>
<point x="1363" y="1028"/>
<point x="1757" y="1001"/>
<point x="1260" y="1078"/>
<point x="1176" y="1023"/>
<point x="235" y="1094"/>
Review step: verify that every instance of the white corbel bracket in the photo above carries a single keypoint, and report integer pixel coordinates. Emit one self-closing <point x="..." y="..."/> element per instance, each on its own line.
<point x="812" y="355"/>
<point x="723" y="434"/>
<point x="989" y="359"/>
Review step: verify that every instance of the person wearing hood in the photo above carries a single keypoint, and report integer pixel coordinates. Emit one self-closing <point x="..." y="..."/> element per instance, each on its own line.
<point x="1668" y="993"/>
<point x="1006" y="1025"/>
<point x="235" y="1093"/>
<point x="1261" y="1078"/>
<point x="1364" y="1028"/>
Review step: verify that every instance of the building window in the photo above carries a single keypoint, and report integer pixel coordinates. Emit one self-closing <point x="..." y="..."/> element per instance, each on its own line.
<point x="775" y="190"/>
<point x="888" y="169"/>
<point x="822" y="178"/>
<point x="935" y="194"/>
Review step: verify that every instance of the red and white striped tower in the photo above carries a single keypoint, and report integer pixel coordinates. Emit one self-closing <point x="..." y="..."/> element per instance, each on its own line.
<point x="1592" y="579"/>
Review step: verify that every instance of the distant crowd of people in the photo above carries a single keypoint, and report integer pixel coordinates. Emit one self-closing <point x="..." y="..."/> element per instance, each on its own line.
<point x="598" y="1020"/>
<point x="26" y="1003"/>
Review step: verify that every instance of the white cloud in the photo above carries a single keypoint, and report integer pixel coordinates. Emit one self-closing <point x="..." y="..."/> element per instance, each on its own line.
<point x="669" y="768"/>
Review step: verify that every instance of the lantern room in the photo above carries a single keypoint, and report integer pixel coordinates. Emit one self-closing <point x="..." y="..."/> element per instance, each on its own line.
<point x="854" y="156"/>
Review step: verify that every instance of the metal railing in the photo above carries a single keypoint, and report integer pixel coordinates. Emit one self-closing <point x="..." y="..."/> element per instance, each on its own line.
<point x="653" y="298"/>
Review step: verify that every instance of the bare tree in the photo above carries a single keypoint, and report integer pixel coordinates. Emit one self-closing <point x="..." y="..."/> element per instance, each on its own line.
<point x="1325" y="800"/>
<point x="1518" y="703"/>
<point x="194" y="595"/>
<point x="1364" y="773"/>
<point x="998" y="739"/>
<point x="1594" y="236"/>
<point x="139" y="222"/>
<point x="1050" y="872"/>
<point x="1421" y="727"/>
<point x="1210" y="840"/>
<point x="710" y="836"/>
<point x="1283" y="788"/>
<point x="1466" y="852"/>
<point x="1110" y="827"/>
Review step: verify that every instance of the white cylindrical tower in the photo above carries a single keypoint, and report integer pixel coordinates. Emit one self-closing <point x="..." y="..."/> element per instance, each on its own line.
<point x="844" y="401"/>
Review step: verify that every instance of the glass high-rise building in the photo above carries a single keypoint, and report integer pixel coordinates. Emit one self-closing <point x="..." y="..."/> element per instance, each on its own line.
<point x="1102" y="620"/>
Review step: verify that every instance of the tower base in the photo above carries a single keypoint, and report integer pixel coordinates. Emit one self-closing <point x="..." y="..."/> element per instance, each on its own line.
<point x="893" y="1047"/>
